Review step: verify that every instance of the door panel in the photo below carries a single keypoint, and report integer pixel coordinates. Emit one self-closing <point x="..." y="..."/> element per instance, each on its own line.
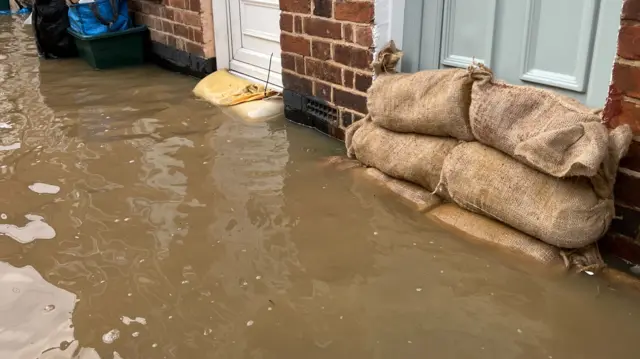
<point x="558" y="58"/>
<point x="255" y="36"/>
<point x="467" y="33"/>
<point x="567" y="46"/>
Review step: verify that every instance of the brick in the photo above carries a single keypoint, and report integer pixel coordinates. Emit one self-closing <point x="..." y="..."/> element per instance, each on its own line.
<point x="621" y="246"/>
<point x="363" y="82"/>
<point x="322" y="91"/>
<point x="181" y="31"/>
<point x="286" y="22"/>
<point x="626" y="79"/>
<point x="625" y="190"/>
<point x="144" y="7"/>
<point x="626" y="222"/>
<point x="350" y="100"/>
<point x="169" y="13"/>
<point x="354" y="11"/>
<point x="632" y="159"/>
<point x="336" y="132"/>
<point x="191" y="19"/>
<point x="347" y="78"/>
<point x="299" y="6"/>
<point x="158" y="37"/>
<point x="155" y="9"/>
<point x="323" y="8"/>
<point x="297" y="25"/>
<point x="323" y="71"/>
<point x="364" y="36"/>
<point x="321" y="50"/>
<point x="171" y="41"/>
<point x="320" y="27"/>
<point x="194" y="49"/>
<point x="300" y="68"/>
<point x="288" y="61"/>
<point x="629" y="42"/>
<point x="631" y="10"/>
<point x="296" y="83"/>
<point x="352" y="56"/>
<point x="181" y="44"/>
<point x="295" y="44"/>
<point x="194" y="5"/>
<point x="195" y="35"/>
<point x="178" y="4"/>
<point x="168" y="26"/>
<point x="346" y="119"/>
<point x="155" y="23"/>
<point x="613" y="105"/>
<point x="629" y="114"/>
<point x="347" y="32"/>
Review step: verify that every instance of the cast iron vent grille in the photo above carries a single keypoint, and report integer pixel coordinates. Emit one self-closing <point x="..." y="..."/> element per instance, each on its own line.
<point x="322" y="111"/>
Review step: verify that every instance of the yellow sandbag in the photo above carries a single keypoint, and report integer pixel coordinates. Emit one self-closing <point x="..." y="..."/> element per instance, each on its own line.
<point x="224" y="89"/>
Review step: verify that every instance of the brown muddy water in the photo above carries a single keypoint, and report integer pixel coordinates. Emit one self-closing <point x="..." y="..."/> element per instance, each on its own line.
<point x="142" y="223"/>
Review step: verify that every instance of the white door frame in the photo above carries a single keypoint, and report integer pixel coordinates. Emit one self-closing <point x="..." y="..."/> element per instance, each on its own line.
<point x="222" y="38"/>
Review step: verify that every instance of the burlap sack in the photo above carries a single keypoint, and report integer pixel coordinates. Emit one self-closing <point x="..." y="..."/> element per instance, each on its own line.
<point x="410" y="157"/>
<point x="562" y="212"/>
<point x="414" y="195"/>
<point x="432" y="103"/>
<point x="489" y="231"/>
<point x="553" y="133"/>
<point x="421" y="199"/>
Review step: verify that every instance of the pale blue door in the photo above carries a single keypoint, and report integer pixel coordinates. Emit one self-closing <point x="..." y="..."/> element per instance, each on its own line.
<point x="565" y="45"/>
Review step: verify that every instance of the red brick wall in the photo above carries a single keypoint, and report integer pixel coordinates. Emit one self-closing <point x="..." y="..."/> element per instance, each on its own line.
<point x="186" y="25"/>
<point x="623" y="107"/>
<point x="327" y="52"/>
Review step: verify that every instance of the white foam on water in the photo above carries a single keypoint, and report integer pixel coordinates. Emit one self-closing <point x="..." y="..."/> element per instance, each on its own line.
<point x="44" y="188"/>
<point x="110" y="336"/>
<point x="35" y="229"/>
<point x="126" y="320"/>
<point x="14" y="146"/>
<point x="5" y="125"/>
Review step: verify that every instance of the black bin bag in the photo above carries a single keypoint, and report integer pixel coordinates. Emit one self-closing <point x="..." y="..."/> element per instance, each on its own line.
<point x="50" y="19"/>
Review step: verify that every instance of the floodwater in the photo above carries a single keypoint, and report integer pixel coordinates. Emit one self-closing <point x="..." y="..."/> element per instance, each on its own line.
<point x="139" y="222"/>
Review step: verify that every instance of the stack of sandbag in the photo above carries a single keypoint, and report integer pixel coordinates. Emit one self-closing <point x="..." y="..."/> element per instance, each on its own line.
<point x="537" y="161"/>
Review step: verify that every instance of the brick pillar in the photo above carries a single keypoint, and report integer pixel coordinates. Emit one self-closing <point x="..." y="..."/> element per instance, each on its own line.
<point x="623" y="107"/>
<point x="181" y="32"/>
<point x="327" y="49"/>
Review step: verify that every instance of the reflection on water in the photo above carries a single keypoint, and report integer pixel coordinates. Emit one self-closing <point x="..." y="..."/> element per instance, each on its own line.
<point x="35" y="315"/>
<point x="184" y="233"/>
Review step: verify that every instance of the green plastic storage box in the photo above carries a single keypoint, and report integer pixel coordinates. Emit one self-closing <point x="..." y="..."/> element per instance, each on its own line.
<point x="113" y="49"/>
<point x="5" y="5"/>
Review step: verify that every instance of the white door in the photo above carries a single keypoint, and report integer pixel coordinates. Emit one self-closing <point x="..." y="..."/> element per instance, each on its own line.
<point x="566" y="45"/>
<point x="254" y="39"/>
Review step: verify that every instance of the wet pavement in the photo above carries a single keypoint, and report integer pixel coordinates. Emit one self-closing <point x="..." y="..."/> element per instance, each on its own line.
<point x="142" y="223"/>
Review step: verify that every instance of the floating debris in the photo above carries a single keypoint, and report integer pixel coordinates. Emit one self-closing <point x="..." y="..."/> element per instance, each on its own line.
<point x="249" y="323"/>
<point x="43" y="188"/>
<point x="111" y="336"/>
<point x="127" y="321"/>
<point x="14" y="146"/>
